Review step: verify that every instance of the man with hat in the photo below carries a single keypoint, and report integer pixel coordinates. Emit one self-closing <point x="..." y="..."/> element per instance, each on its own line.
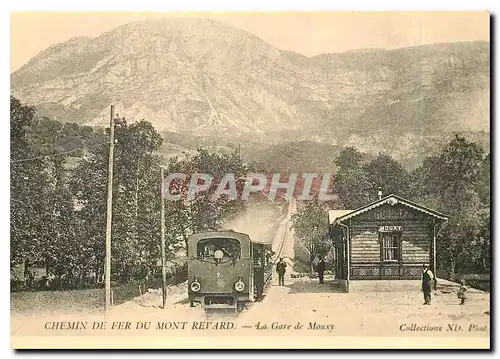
<point x="427" y="280"/>
<point x="320" y="268"/>
<point x="281" y="269"/>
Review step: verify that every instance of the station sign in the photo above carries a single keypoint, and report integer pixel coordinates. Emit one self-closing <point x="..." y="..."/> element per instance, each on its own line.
<point x="390" y="229"/>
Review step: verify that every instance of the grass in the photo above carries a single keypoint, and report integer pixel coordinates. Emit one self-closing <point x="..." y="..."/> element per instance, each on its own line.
<point x="480" y="284"/>
<point x="83" y="300"/>
<point x="70" y="301"/>
<point x="66" y="301"/>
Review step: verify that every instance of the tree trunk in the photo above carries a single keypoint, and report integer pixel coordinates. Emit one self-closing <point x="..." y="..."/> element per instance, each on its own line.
<point x="311" y="260"/>
<point x="27" y="274"/>
<point x="136" y="195"/>
<point x="96" y="270"/>
<point x="452" y="269"/>
<point x="102" y="270"/>
<point x="136" y="214"/>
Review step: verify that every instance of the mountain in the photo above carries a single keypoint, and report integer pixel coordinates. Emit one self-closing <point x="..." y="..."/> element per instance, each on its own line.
<point x="205" y="80"/>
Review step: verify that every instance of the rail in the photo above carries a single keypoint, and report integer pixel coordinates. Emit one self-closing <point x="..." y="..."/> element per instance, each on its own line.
<point x="281" y="246"/>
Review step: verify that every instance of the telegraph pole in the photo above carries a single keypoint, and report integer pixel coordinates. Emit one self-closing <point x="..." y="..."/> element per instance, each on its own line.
<point x="163" y="251"/>
<point x="107" y="278"/>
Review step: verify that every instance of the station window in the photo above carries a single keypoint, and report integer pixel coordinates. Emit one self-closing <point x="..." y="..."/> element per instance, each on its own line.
<point x="391" y="246"/>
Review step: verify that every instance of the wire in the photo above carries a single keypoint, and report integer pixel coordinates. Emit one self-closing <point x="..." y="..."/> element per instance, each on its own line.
<point x="57" y="154"/>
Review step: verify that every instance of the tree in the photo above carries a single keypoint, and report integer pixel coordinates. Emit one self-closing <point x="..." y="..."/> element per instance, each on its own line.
<point x="386" y="173"/>
<point x="136" y="200"/>
<point x="203" y="212"/>
<point x="136" y="221"/>
<point x="348" y="157"/>
<point x="88" y="183"/>
<point x="310" y="224"/>
<point x="424" y="181"/>
<point x="484" y="182"/>
<point x="351" y="183"/>
<point x="41" y="204"/>
<point x="459" y="245"/>
<point x="452" y="180"/>
<point x="21" y="174"/>
<point x="58" y="208"/>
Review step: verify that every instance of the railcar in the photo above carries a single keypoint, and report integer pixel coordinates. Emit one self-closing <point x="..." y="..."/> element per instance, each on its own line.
<point x="226" y="269"/>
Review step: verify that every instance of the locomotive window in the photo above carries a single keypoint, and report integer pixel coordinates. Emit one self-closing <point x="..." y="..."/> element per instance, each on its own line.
<point x="229" y="246"/>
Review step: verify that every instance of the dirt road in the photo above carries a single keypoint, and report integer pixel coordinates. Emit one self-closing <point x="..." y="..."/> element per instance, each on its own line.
<point x="302" y="307"/>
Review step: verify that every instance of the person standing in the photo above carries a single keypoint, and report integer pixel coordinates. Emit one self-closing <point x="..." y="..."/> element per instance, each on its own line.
<point x="281" y="269"/>
<point x="427" y="280"/>
<point x="321" y="269"/>
<point x="462" y="292"/>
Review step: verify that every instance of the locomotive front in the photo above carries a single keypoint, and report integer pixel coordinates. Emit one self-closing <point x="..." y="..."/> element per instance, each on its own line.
<point x="220" y="269"/>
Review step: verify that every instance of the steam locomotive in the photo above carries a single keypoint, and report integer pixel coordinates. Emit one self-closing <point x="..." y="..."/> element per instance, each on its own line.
<point x="226" y="269"/>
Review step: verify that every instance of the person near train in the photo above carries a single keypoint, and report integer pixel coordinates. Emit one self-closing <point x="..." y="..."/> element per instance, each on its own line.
<point x="281" y="269"/>
<point x="320" y="268"/>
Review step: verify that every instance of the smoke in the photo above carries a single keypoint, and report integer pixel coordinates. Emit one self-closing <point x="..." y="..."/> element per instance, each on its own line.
<point x="260" y="221"/>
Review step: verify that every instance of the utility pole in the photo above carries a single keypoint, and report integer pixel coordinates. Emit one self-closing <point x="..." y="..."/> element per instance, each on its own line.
<point x="163" y="251"/>
<point x="107" y="277"/>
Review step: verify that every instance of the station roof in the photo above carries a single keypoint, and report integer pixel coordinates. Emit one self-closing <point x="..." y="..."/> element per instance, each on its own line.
<point x="337" y="216"/>
<point x="337" y="213"/>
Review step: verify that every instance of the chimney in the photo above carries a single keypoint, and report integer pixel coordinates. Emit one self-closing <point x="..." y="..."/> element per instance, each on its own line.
<point x="380" y="193"/>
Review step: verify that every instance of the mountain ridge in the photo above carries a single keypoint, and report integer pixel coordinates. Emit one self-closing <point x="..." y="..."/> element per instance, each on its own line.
<point x="205" y="78"/>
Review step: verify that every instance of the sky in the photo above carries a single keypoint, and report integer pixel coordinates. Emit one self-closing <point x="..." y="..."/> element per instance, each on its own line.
<point x="308" y="33"/>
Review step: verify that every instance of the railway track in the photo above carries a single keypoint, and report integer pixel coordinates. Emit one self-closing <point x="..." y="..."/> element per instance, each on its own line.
<point x="280" y="247"/>
<point x="285" y="238"/>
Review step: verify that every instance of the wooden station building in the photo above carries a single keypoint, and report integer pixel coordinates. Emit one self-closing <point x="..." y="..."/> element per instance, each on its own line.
<point x="389" y="239"/>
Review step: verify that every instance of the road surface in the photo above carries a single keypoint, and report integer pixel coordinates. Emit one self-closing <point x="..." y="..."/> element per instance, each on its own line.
<point x="300" y="308"/>
<point x="323" y="307"/>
